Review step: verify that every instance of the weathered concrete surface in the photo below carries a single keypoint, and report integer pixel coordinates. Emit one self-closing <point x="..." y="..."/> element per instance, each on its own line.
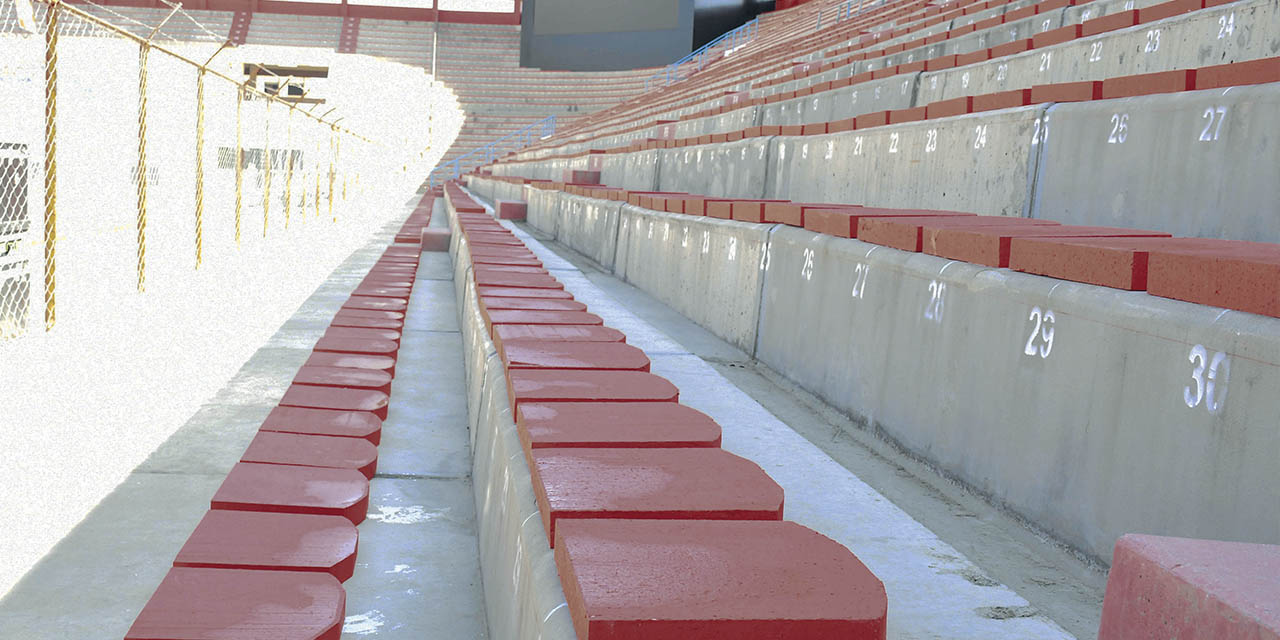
<point x="589" y="226"/>
<point x="1212" y="141"/>
<point x="981" y="163"/>
<point x="1080" y="422"/>
<point x="523" y="596"/>
<point x="704" y="267"/>
<point x="933" y="590"/>
<point x="727" y="170"/>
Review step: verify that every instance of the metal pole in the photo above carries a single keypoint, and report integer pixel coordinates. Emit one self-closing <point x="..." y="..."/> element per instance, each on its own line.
<point x="266" y="167"/>
<point x="50" y="164"/>
<point x="142" y="166"/>
<point x="239" y="158"/>
<point x="199" y="167"/>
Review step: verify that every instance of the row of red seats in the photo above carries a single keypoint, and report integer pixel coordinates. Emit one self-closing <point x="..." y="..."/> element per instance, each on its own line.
<point x="1232" y="274"/>
<point x="268" y="558"/>
<point x="620" y="468"/>
<point x="1262" y="71"/>
<point x="767" y="60"/>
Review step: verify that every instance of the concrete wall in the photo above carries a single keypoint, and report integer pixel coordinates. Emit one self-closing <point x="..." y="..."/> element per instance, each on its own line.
<point x="1091" y="412"/>
<point x="599" y="43"/>
<point x="523" y="595"/>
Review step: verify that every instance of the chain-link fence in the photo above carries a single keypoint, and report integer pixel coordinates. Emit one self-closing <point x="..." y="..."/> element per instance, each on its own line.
<point x="129" y="158"/>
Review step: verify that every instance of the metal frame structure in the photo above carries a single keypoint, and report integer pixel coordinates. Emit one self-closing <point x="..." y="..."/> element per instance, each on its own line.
<point x="697" y="60"/>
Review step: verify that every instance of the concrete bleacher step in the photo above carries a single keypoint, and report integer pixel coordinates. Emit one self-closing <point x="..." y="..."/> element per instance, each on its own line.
<point x="694" y="480"/>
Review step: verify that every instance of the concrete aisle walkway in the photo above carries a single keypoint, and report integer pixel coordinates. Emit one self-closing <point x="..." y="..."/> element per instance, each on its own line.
<point x="417" y="574"/>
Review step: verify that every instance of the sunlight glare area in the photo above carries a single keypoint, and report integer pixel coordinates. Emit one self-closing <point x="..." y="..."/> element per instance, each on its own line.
<point x="83" y="404"/>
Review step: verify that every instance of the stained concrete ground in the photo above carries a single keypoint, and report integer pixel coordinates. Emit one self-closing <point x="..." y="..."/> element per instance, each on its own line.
<point x="1056" y="582"/>
<point x="417" y="573"/>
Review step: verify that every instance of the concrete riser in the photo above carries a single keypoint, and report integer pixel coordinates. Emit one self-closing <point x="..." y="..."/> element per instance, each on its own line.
<point x="1101" y="430"/>
<point x="523" y="596"/>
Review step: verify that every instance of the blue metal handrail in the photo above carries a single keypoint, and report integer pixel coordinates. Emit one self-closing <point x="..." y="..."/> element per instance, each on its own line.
<point x="845" y="10"/>
<point x="524" y="136"/>
<point x="703" y="56"/>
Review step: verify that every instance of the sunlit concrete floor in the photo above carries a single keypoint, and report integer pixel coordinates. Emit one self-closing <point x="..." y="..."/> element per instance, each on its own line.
<point x="417" y="572"/>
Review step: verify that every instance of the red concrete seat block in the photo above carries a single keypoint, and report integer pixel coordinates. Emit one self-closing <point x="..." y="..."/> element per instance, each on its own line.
<point x="1163" y="588"/>
<point x="363" y="332"/>
<point x="514" y="209"/>
<point x="489" y="267"/>
<point x="948" y="108"/>
<point x="749" y="210"/>
<point x="529" y="260"/>
<point x="531" y="304"/>
<point x="436" y="239"/>
<point x="324" y="422"/>
<point x="746" y="580"/>
<point x="907" y="232"/>
<point x="269" y="447"/>
<point x="991" y="246"/>
<point x="1168" y="10"/>
<point x="272" y="542"/>
<point x="402" y="281"/>
<point x="561" y="354"/>
<point x="348" y="377"/>
<point x="519" y="292"/>
<point x="371" y="346"/>
<point x="552" y="385"/>
<point x="843" y="222"/>
<point x="1149" y="83"/>
<point x="526" y="316"/>
<point x="279" y="488"/>
<point x="238" y="604"/>
<point x="612" y="424"/>
<point x="517" y="280"/>
<point x="375" y="304"/>
<point x="381" y="291"/>
<point x="505" y="333"/>
<point x="1119" y="263"/>
<point x="696" y="206"/>
<point x="1066" y="92"/>
<point x="1221" y="273"/>
<point x="722" y="209"/>
<point x="345" y="319"/>
<point x="1238" y="74"/>
<point x="668" y="484"/>
<point x="352" y="360"/>
<point x="1002" y="100"/>
<point x="336" y="398"/>
<point x="793" y="213"/>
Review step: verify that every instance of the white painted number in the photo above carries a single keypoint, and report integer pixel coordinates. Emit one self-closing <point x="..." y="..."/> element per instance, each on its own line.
<point x="1041" y="132"/>
<point x="765" y="258"/>
<point x="931" y="141"/>
<point x="1119" y="128"/>
<point x="860" y="279"/>
<point x="1153" y="41"/>
<point x="1002" y="72"/>
<point x="1211" y="388"/>
<point x="806" y="271"/>
<point x="980" y="136"/>
<point x="933" y="310"/>
<point x="1095" y="52"/>
<point x="1046" y="59"/>
<point x="857" y="146"/>
<point x="684" y="239"/>
<point x="733" y="249"/>
<point x="893" y="142"/>
<point x="1213" y="117"/>
<point x="706" y="242"/>
<point x="964" y="80"/>
<point x="1043" y="330"/>
<point x="1226" y="25"/>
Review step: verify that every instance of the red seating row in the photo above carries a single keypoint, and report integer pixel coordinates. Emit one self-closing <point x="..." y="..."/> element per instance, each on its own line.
<point x="1231" y="274"/>
<point x="620" y="468"/>
<point x="268" y="558"/>
<point x="1211" y="77"/>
